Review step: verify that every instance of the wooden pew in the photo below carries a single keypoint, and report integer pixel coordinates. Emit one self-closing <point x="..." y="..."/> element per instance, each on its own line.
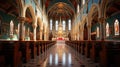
<point x="2" y="57"/>
<point x="80" y="43"/>
<point x="33" y="48"/>
<point x="88" y="46"/>
<point x="26" y="51"/>
<point x="110" y="54"/>
<point x="95" y="50"/>
<point x="83" y="44"/>
<point x="38" y="48"/>
<point x="11" y="53"/>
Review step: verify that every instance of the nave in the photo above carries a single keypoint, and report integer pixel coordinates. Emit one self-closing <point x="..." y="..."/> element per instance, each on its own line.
<point x="61" y="55"/>
<point x="30" y="30"/>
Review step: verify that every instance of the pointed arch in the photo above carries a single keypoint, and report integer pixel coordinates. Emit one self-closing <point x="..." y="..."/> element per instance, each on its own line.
<point x="32" y="11"/>
<point x="93" y="8"/>
<point x="107" y="30"/>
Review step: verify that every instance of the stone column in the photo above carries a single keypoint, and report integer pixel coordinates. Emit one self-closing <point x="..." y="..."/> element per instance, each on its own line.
<point x="34" y="31"/>
<point x="41" y="34"/>
<point x="78" y="36"/>
<point x="21" y="20"/>
<point x="89" y="32"/>
<point x="81" y="32"/>
<point x="45" y="35"/>
<point x="102" y="28"/>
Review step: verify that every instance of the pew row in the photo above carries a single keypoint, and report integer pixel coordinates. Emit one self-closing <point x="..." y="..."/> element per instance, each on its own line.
<point x="14" y="53"/>
<point x="107" y="53"/>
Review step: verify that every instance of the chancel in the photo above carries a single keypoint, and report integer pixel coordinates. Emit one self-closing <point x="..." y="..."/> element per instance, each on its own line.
<point x="59" y="33"/>
<point x="60" y="30"/>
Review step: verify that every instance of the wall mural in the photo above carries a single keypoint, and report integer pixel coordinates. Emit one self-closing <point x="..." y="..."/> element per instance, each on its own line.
<point x="116" y="27"/>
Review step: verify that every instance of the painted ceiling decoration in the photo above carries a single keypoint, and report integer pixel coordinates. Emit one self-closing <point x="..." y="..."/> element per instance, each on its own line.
<point x="9" y="7"/>
<point x="61" y="8"/>
<point x="113" y="7"/>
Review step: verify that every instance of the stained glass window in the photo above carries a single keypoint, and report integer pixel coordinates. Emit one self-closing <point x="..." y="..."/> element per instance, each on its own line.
<point x="63" y="25"/>
<point x="11" y="27"/>
<point x="116" y="27"/>
<point x="78" y="8"/>
<point x="56" y="25"/>
<point x="83" y="2"/>
<point x="98" y="32"/>
<point x="107" y="29"/>
<point x="51" y="24"/>
<point x="69" y="25"/>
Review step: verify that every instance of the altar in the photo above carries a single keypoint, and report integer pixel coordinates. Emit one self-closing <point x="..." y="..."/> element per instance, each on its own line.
<point x="60" y="31"/>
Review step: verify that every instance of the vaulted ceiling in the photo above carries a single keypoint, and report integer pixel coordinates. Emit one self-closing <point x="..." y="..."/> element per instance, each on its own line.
<point x="9" y="7"/>
<point x="113" y="7"/>
<point x="61" y="8"/>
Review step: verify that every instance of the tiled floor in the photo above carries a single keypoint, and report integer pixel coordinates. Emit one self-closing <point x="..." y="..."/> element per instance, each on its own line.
<point x="60" y="55"/>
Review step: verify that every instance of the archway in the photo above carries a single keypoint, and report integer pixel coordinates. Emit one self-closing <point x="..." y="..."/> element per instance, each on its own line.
<point x="112" y="14"/>
<point x="38" y="29"/>
<point x="94" y="15"/>
<point x="85" y="32"/>
<point x="95" y="27"/>
<point x="29" y="23"/>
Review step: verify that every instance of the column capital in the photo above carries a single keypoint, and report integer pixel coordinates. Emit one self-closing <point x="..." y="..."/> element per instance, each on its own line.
<point x="34" y="25"/>
<point x="101" y="19"/>
<point x="41" y="30"/>
<point x="45" y="32"/>
<point x="89" y="26"/>
<point x="21" y="18"/>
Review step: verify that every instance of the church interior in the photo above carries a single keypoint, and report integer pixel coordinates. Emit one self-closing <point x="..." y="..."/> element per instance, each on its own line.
<point x="59" y="33"/>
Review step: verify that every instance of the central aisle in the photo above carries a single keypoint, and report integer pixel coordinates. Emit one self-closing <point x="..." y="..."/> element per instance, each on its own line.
<point x="60" y="55"/>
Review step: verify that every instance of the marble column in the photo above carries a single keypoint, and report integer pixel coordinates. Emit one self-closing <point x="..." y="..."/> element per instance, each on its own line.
<point x="89" y="32"/>
<point x="78" y="36"/>
<point x="102" y="28"/>
<point x="41" y="34"/>
<point x="21" y="20"/>
<point x="34" y="31"/>
<point x="45" y="33"/>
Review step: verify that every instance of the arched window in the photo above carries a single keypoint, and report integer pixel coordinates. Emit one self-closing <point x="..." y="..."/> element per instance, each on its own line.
<point x="98" y="33"/>
<point x="69" y="24"/>
<point x="56" y="25"/>
<point x="51" y="24"/>
<point x="11" y="27"/>
<point x="83" y="1"/>
<point x="78" y="8"/>
<point x="107" y="30"/>
<point x="63" y="25"/>
<point x="116" y="27"/>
